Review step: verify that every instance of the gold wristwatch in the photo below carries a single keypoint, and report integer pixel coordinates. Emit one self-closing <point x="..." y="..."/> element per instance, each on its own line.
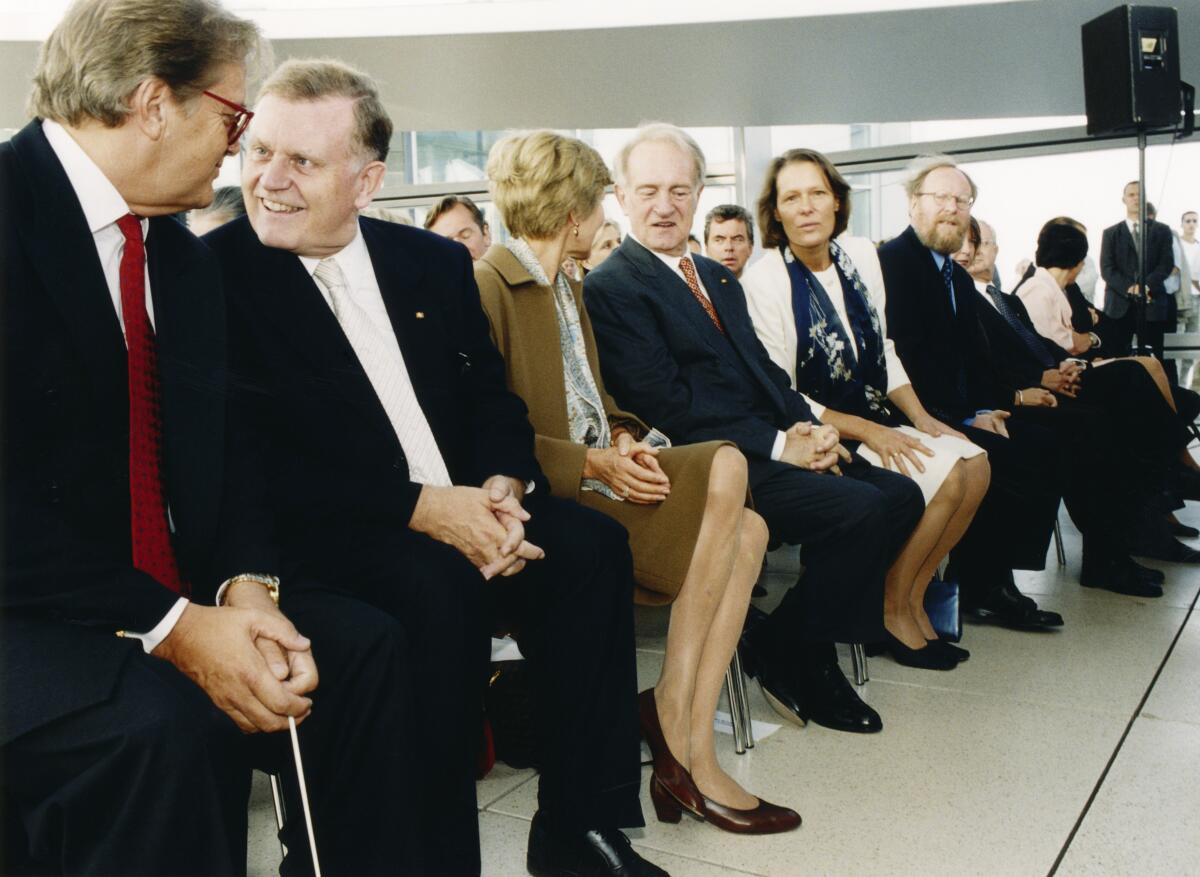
<point x="271" y="583"/>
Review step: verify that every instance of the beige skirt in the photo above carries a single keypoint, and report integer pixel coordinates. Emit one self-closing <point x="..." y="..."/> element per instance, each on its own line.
<point x="663" y="536"/>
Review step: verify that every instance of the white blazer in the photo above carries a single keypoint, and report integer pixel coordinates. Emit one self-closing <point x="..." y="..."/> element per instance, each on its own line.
<point x="768" y="289"/>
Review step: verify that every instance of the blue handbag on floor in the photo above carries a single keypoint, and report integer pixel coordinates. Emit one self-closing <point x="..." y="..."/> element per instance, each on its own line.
<point x="941" y="605"/>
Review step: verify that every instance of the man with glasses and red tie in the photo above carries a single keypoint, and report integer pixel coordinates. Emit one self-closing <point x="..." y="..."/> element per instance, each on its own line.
<point x="143" y="634"/>
<point x="932" y="319"/>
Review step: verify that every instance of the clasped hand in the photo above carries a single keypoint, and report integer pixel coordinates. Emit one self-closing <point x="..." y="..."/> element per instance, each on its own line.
<point x="817" y="449"/>
<point x="252" y="663"/>
<point x="630" y="468"/>
<point x="485" y="524"/>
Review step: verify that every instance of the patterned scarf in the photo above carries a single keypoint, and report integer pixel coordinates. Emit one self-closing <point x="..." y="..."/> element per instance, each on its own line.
<point x="587" y="421"/>
<point x="824" y="370"/>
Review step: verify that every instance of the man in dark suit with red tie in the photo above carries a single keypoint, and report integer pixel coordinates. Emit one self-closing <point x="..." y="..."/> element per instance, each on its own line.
<point x="129" y="700"/>
<point x="403" y="469"/>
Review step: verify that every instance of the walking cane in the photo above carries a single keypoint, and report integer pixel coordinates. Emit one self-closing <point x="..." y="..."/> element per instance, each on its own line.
<point x="312" y="839"/>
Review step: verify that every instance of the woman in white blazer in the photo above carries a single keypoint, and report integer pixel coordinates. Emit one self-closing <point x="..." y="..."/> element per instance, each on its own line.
<point x="818" y="306"/>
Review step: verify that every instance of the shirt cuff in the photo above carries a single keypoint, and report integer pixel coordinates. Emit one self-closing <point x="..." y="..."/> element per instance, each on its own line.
<point x="814" y="406"/>
<point x="163" y="629"/>
<point x="777" y="448"/>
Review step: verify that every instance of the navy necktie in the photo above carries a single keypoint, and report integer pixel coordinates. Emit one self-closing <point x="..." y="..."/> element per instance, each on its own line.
<point x="1032" y="340"/>
<point x="948" y="276"/>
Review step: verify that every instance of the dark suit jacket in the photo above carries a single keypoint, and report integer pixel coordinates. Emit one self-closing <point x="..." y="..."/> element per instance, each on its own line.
<point x="337" y="475"/>
<point x="1017" y="366"/>
<point x="69" y="583"/>
<point x="663" y="359"/>
<point x="1118" y="267"/>
<point x="944" y="351"/>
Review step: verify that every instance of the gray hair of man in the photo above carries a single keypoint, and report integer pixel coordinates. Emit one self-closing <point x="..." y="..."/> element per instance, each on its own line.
<point x="101" y="51"/>
<point x="660" y="132"/>
<point x="923" y="165"/>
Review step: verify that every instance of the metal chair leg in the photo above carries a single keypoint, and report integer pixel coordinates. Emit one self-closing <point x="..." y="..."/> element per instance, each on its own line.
<point x="858" y="658"/>
<point x="735" y="711"/>
<point x="1058" y="543"/>
<point x="280" y="813"/>
<point x="739" y="679"/>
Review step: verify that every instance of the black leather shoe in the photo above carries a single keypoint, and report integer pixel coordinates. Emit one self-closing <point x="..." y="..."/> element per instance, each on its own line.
<point x="1008" y="607"/>
<point x="598" y="853"/>
<point x="1146" y="573"/>
<point x="1164" y="546"/>
<point x="928" y="657"/>
<point x="1116" y="577"/>
<point x="1179" y="529"/>
<point x="818" y="693"/>
<point x="957" y="652"/>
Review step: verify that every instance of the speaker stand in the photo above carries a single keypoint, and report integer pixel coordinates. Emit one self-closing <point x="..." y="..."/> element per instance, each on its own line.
<point x="1143" y="296"/>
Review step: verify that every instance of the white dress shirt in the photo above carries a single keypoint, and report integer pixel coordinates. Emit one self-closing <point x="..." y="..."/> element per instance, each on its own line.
<point x="102" y="206"/>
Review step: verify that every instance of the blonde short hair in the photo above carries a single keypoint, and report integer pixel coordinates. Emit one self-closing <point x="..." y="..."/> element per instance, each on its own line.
<point x="539" y="179"/>
<point x="311" y="79"/>
<point x="102" y="50"/>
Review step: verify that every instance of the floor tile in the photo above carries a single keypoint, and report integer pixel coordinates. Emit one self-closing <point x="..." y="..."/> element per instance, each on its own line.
<point x="955" y="775"/>
<point x="1176" y="694"/>
<point x="1144" y="819"/>
<point x="501" y="780"/>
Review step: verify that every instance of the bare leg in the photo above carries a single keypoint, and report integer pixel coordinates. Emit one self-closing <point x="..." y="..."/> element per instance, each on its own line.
<point x="977" y="475"/>
<point x="718" y="652"/>
<point x="903" y="573"/>
<point x="703" y="591"/>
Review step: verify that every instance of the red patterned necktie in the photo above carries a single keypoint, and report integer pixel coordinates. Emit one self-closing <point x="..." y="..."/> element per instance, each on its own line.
<point x="689" y="274"/>
<point x="152" y="551"/>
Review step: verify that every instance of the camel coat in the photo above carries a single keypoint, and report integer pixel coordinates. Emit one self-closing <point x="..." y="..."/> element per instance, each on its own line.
<point x="525" y="328"/>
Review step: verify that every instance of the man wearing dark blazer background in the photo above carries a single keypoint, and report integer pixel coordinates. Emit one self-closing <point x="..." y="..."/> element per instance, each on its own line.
<point x="128" y="491"/>
<point x="1119" y="268"/>
<point x="402" y="470"/>
<point x="678" y="349"/>
<point x="933" y="317"/>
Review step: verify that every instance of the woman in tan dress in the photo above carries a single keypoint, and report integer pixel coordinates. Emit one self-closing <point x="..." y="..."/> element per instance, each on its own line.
<point x="693" y="540"/>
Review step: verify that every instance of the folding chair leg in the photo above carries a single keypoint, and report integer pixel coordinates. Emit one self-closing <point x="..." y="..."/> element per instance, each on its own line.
<point x="739" y="679"/>
<point x="735" y="711"/>
<point x="280" y="813"/>
<point x="1058" y="543"/>
<point x="858" y="659"/>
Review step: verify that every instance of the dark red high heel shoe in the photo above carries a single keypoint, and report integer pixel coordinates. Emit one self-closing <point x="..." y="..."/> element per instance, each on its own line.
<point x="668" y="772"/>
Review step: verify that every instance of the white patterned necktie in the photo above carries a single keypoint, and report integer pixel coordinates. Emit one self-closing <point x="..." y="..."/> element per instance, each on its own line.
<point x="383" y="362"/>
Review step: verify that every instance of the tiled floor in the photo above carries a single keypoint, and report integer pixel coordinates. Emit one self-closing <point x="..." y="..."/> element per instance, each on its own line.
<point x="1018" y="762"/>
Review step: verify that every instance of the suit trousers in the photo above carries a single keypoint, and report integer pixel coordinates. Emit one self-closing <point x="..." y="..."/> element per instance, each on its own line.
<point x="1118" y="340"/>
<point x="155" y="780"/>
<point x="850" y="529"/>
<point x="1014" y="523"/>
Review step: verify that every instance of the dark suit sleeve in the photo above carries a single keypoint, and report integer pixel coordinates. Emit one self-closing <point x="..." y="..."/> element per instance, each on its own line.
<point x="501" y="436"/>
<point x="1115" y="278"/>
<point x="641" y="372"/>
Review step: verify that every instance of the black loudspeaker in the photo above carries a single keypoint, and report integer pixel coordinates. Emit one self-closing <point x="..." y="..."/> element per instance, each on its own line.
<point x="1131" y="70"/>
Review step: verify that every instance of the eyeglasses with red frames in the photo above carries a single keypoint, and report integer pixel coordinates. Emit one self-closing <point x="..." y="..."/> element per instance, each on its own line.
<point x="237" y="124"/>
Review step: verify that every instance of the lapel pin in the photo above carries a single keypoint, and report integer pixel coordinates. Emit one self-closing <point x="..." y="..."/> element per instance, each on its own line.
<point x="724" y="279"/>
<point x="420" y="315"/>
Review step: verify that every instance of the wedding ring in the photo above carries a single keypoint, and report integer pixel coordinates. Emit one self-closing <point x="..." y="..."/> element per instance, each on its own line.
<point x="625" y="492"/>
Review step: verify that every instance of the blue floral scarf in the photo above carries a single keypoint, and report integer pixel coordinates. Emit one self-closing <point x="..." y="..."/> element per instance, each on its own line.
<point x="825" y="370"/>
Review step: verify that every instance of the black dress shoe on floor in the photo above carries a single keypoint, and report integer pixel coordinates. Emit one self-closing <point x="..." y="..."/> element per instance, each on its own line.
<point x="598" y="853"/>
<point x="818" y="693"/>
<point x="957" y="652"/>
<point x="928" y="657"/>
<point x="1181" y="530"/>
<point x="1118" y="578"/>
<point x="1146" y="573"/>
<point x="1006" y="606"/>
<point x="1163" y="546"/>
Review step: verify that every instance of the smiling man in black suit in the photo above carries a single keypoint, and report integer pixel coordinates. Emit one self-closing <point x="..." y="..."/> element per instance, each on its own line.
<point x="402" y="469"/>
<point x="677" y="348"/>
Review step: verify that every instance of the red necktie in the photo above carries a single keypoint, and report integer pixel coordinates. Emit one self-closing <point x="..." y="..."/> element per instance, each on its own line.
<point x="152" y="552"/>
<point x="689" y="274"/>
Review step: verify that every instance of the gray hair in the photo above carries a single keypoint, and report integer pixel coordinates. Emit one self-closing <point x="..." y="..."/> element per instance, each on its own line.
<point x="662" y="132"/>
<point x="923" y="165"/>
<point x="102" y="50"/>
